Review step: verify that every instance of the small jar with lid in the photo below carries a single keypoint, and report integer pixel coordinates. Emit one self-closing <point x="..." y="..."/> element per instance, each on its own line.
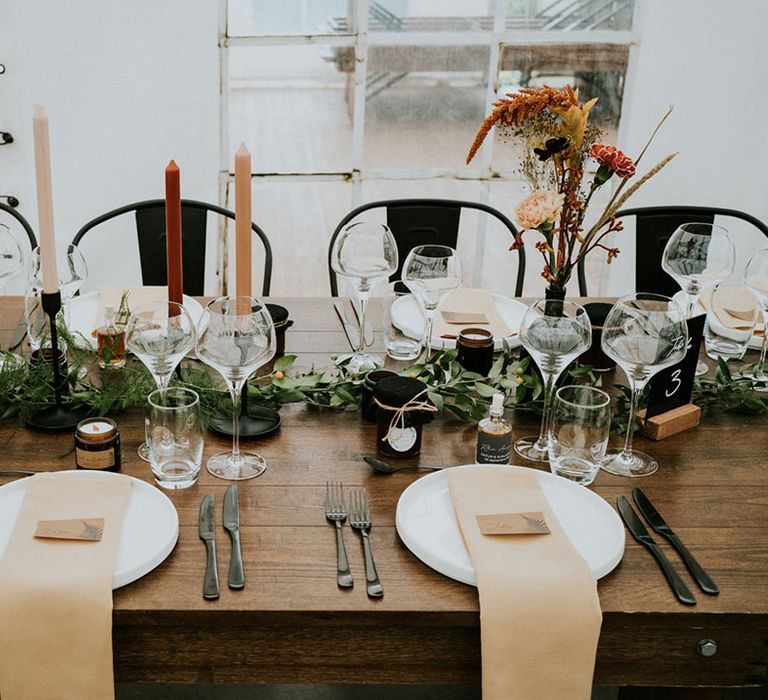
<point x="402" y="409"/>
<point x="97" y="445"/>
<point x="368" y="406"/>
<point x="474" y="350"/>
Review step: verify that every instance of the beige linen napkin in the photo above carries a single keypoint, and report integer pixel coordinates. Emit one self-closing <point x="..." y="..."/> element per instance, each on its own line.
<point x="474" y="301"/>
<point x="56" y="595"/>
<point x="733" y="308"/>
<point x="539" y="611"/>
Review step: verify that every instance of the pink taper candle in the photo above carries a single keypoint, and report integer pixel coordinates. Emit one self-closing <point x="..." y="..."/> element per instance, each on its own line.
<point x="44" y="200"/>
<point x="243" y="219"/>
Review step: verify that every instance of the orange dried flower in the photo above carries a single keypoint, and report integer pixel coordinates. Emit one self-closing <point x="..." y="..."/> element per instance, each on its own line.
<point x="613" y="159"/>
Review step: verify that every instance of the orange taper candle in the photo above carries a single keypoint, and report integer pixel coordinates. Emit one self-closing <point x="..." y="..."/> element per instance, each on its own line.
<point x="173" y="233"/>
<point x="243" y="218"/>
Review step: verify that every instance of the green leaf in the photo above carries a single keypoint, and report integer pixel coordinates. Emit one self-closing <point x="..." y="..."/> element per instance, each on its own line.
<point x="485" y="390"/>
<point x="285" y="362"/>
<point x="437" y="401"/>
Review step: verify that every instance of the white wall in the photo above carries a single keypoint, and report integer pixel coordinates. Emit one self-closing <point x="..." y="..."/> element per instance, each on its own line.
<point x="709" y="59"/>
<point x="127" y="86"/>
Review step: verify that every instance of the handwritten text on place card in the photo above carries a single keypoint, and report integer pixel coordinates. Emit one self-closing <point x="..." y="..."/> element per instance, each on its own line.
<point x="77" y="529"/>
<point x="533" y="523"/>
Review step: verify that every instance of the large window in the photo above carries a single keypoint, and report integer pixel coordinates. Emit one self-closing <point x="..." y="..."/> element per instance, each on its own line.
<point x="346" y="101"/>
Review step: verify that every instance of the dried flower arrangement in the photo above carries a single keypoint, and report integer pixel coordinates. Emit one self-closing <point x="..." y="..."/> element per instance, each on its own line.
<point x="554" y="127"/>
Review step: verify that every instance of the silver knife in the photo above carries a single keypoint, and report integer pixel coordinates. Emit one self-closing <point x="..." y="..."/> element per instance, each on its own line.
<point x="636" y="527"/>
<point x="232" y="524"/>
<point x="19" y="334"/>
<point x="350" y="331"/>
<point x="367" y="330"/>
<point x="660" y="525"/>
<point x="207" y="530"/>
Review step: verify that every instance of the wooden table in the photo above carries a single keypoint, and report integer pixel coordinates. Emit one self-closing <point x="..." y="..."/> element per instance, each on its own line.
<point x="292" y="624"/>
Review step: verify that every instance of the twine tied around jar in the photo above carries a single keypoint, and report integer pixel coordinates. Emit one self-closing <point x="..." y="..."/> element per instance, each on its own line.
<point x="399" y="412"/>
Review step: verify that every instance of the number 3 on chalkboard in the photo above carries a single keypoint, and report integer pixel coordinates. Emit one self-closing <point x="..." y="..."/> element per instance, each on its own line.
<point x="676" y="379"/>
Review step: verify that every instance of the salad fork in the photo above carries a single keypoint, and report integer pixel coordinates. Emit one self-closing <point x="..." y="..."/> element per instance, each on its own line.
<point x="360" y="519"/>
<point x="336" y="512"/>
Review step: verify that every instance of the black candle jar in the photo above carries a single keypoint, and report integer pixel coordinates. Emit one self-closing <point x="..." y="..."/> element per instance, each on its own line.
<point x="474" y="350"/>
<point x="402" y="409"/>
<point x="282" y="323"/>
<point x="368" y="406"/>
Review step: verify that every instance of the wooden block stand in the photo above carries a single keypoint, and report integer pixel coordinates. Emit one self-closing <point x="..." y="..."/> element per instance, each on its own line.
<point x="670" y="423"/>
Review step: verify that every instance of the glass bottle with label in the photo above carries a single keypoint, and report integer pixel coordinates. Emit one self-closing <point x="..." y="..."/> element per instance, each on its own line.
<point x="110" y="341"/>
<point x="494" y="435"/>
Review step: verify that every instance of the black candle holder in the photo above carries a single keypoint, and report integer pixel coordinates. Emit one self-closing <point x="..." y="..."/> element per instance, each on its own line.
<point x="58" y="416"/>
<point x="255" y="421"/>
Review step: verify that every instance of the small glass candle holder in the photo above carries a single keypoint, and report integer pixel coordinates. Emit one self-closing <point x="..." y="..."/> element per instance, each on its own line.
<point x="97" y="445"/>
<point x="474" y="350"/>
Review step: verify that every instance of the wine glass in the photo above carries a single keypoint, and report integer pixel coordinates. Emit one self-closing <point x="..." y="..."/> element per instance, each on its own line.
<point x="554" y="333"/>
<point x="72" y="271"/>
<point x="696" y="256"/>
<point x="11" y="261"/>
<point x="431" y="272"/>
<point x="237" y="337"/>
<point x="159" y="333"/>
<point x="756" y="279"/>
<point x="644" y="333"/>
<point x="364" y="253"/>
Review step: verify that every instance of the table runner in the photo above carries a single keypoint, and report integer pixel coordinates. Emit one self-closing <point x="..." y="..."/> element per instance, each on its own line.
<point x="56" y="595"/>
<point x="539" y="611"/>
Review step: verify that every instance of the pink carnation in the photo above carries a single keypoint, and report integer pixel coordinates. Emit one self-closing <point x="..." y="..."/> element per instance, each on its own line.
<point x="541" y="207"/>
<point x="614" y="159"/>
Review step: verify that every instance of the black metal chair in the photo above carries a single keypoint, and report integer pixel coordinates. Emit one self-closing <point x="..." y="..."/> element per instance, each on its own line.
<point x="24" y="224"/>
<point x="654" y="226"/>
<point x="424" y="221"/>
<point x="150" y="228"/>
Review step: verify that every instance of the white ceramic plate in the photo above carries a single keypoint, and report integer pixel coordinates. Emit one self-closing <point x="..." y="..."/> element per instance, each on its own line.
<point x="150" y="525"/>
<point x="427" y="525"/>
<point x="755" y="342"/>
<point x="84" y="309"/>
<point x="409" y="318"/>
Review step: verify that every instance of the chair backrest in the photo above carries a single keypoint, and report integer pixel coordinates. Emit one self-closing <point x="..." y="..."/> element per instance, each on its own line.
<point x="424" y="221"/>
<point x="654" y="226"/>
<point x="24" y="224"/>
<point x="150" y="229"/>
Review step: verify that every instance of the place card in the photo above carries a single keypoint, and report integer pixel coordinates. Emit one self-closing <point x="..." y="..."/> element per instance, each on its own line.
<point x="463" y="317"/>
<point x="533" y="523"/>
<point x="89" y="529"/>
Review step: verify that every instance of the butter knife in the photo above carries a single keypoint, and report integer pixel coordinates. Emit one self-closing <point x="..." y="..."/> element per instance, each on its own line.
<point x="353" y="337"/>
<point x="660" y="525"/>
<point x="232" y="524"/>
<point x="639" y="532"/>
<point x="207" y="530"/>
<point x="19" y="334"/>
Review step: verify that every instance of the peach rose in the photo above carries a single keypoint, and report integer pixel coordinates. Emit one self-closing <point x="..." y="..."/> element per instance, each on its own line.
<point x="541" y="207"/>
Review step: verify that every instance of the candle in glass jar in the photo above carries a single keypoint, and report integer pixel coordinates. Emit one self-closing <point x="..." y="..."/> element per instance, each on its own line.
<point x="97" y="445"/>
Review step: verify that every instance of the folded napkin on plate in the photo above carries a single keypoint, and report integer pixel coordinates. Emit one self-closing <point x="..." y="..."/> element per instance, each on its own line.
<point x="539" y="611"/>
<point x="56" y="595"/>
<point x="137" y="296"/>
<point x="734" y="307"/>
<point x="470" y="301"/>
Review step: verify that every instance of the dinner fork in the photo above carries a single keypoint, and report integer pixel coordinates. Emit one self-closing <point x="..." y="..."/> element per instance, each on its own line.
<point x="360" y="519"/>
<point x="336" y="512"/>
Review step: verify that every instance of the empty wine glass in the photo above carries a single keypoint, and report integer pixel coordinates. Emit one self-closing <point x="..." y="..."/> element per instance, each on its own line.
<point x="364" y="253"/>
<point x="756" y="279"/>
<point x="696" y="256"/>
<point x="554" y="333"/>
<point x="237" y="337"/>
<point x="11" y="261"/>
<point x="431" y="272"/>
<point x="644" y="333"/>
<point x="72" y="271"/>
<point x="159" y="333"/>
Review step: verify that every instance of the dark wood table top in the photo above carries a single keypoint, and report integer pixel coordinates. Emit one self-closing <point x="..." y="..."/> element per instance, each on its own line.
<point x="292" y="624"/>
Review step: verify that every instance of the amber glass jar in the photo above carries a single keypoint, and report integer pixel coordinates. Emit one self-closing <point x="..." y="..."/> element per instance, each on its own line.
<point x="402" y="409"/>
<point x="97" y="445"/>
<point x="474" y="350"/>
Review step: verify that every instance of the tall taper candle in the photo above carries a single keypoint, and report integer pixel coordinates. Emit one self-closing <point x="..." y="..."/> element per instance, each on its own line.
<point x="243" y="218"/>
<point x="173" y="233"/>
<point x="44" y="200"/>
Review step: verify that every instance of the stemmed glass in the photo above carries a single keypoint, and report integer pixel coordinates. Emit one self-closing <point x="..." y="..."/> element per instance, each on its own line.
<point x="696" y="256"/>
<point x="365" y="254"/>
<point x="159" y="334"/>
<point x="431" y="272"/>
<point x="756" y="278"/>
<point x="644" y="333"/>
<point x="11" y="261"/>
<point x="237" y="337"/>
<point x="554" y="333"/>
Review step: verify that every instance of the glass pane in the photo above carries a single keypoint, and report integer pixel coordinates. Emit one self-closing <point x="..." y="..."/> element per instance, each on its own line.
<point x="566" y="15"/>
<point x="288" y="104"/>
<point x="423" y="104"/>
<point x="298" y="218"/>
<point x="286" y="17"/>
<point x="430" y="16"/>
<point x="597" y="70"/>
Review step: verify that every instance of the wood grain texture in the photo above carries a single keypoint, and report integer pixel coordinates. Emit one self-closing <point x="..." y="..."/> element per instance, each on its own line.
<point x="711" y="487"/>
